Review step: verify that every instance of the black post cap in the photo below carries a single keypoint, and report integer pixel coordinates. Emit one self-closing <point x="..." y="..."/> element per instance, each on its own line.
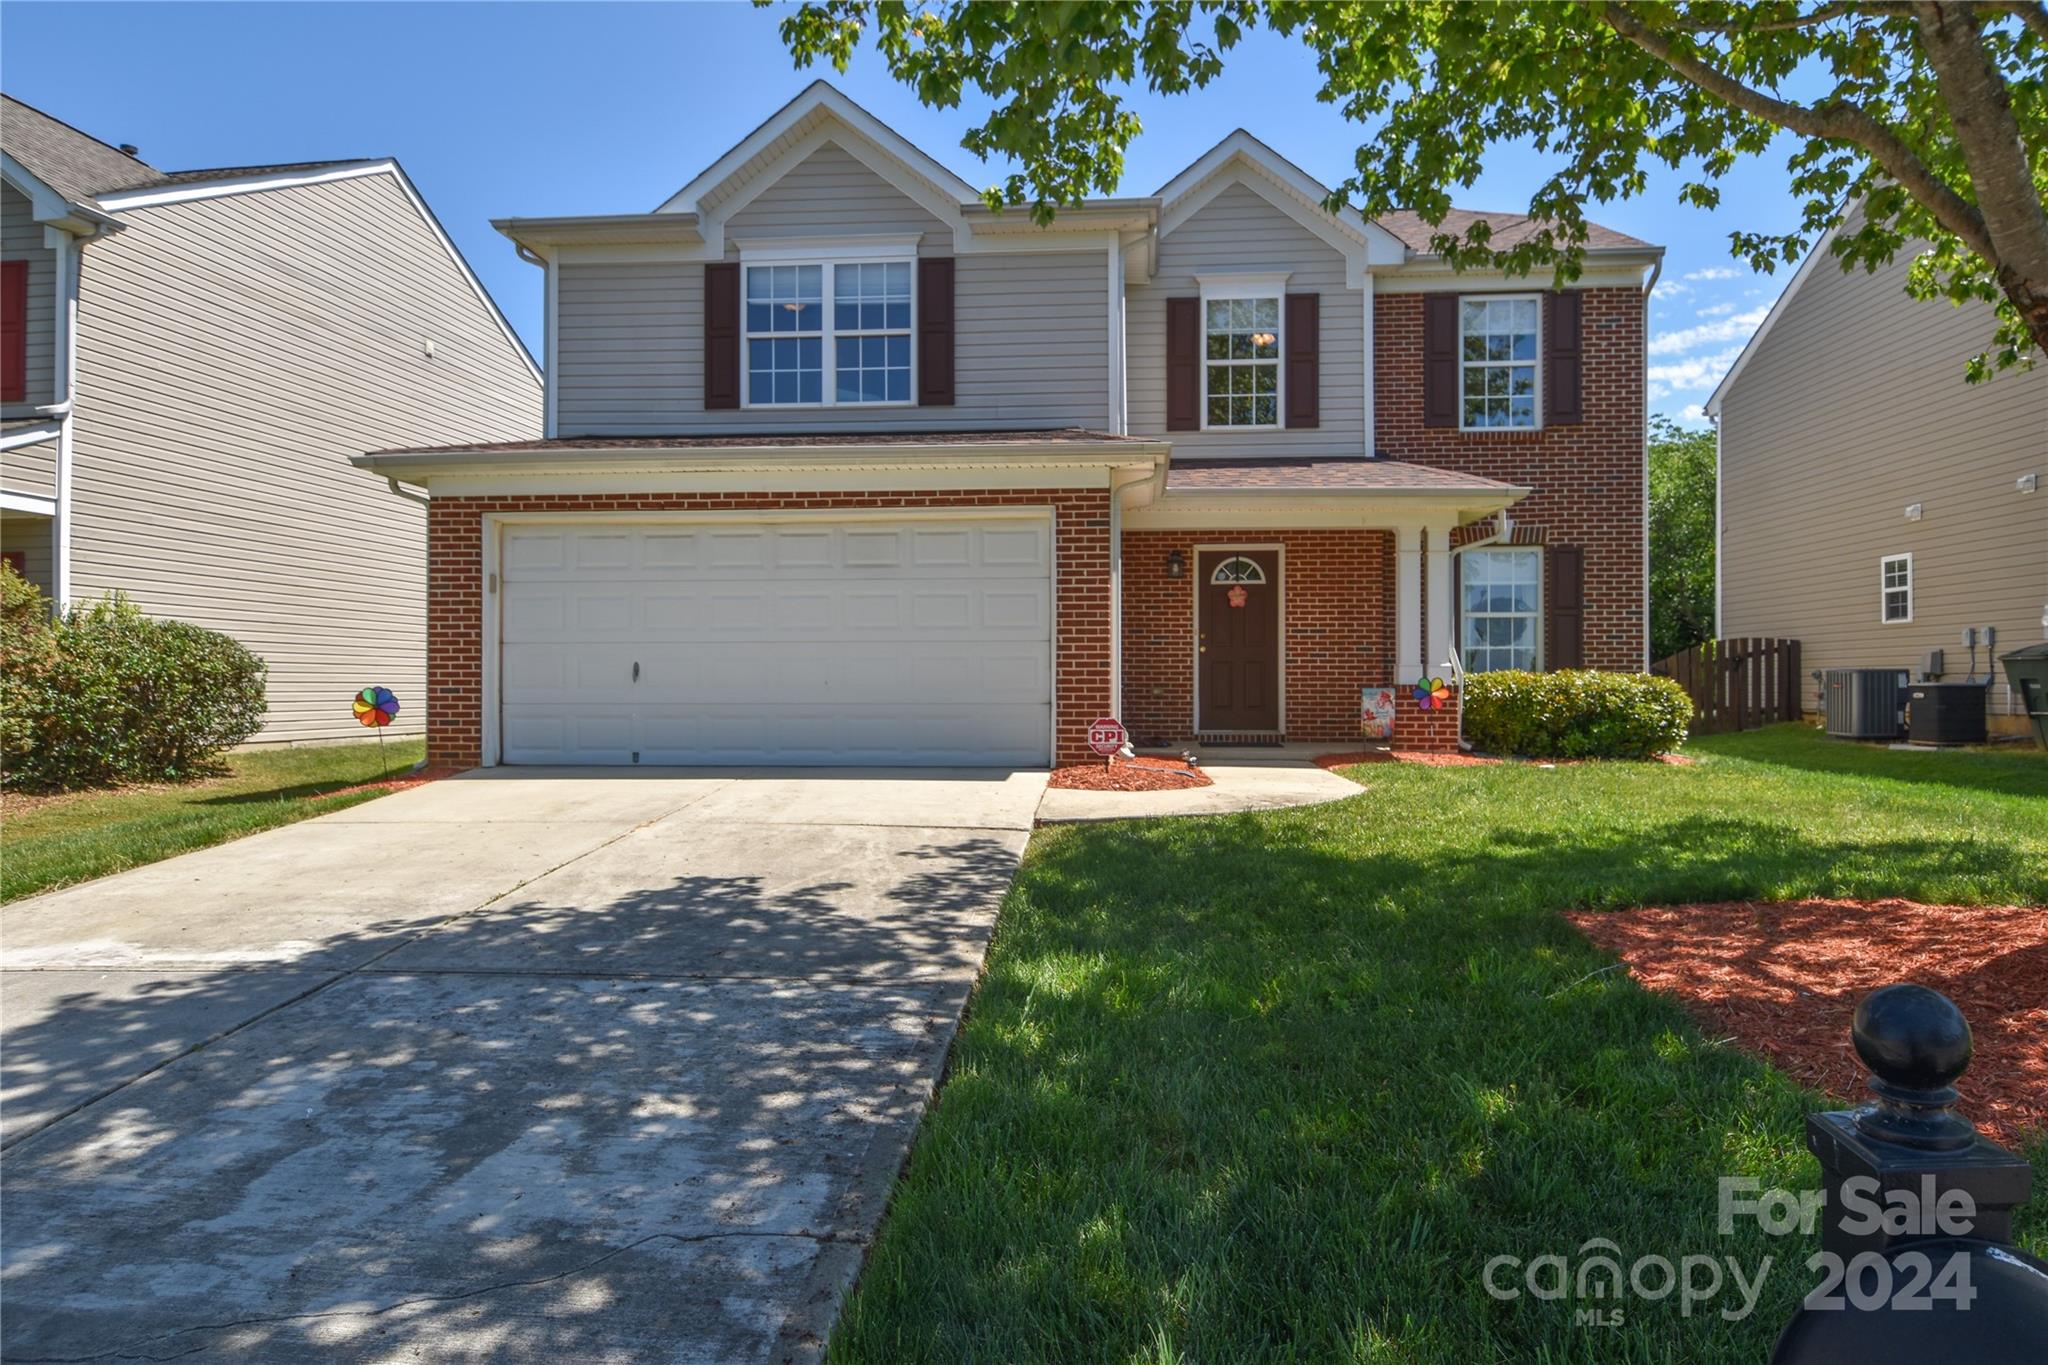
<point x="1916" y="1043"/>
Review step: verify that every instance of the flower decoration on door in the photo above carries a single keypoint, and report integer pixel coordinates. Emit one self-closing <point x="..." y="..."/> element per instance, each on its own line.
<point x="1238" y="595"/>
<point x="1431" y="694"/>
<point x="375" y="706"/>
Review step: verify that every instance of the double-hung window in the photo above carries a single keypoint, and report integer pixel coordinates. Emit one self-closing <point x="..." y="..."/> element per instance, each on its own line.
<point x="828" y="332"/>
<point x="1497" y="361"/>
<point x="1241" y="373"/>
<point x="1895" y="588"/>
<point x="1502" y="608"/>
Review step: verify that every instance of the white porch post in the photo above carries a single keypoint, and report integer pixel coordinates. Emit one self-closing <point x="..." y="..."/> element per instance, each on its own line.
<point x="1438" y="648"/>
<point x="1407" y="604"/>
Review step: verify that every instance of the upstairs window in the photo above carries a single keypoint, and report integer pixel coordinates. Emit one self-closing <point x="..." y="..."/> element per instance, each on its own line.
<point x="856" y="352"/>
<point x="1241" y="351"/>
<point x="1895" y="588"/>
<point x="1502" y="608"/>
<point x="1497" y="362"/>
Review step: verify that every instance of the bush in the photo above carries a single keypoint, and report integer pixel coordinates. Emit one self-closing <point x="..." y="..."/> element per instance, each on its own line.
<point x="122" y="697"/>
<point x="1575" y="713"/>
<point x="27" y="648"/>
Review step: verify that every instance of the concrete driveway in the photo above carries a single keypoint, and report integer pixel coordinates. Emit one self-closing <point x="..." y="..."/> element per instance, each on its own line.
<point x="522" y="1065"/>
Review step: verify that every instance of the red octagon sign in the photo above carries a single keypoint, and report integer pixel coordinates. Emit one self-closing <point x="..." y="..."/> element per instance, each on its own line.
<point x="1106" y="736"/>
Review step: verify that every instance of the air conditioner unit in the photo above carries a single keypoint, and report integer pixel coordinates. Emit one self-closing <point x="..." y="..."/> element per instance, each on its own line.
<point x="1946" y="713"/>
<point x="1863" y="703"/>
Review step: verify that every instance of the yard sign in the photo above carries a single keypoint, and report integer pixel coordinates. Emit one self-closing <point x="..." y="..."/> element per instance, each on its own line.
<point x="1376" y="712"/>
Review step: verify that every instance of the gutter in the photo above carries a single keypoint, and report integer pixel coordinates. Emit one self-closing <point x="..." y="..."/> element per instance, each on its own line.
<point x="747" y="459"/>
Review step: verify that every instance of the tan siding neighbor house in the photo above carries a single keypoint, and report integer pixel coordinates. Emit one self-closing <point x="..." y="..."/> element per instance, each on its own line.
<point x="236" y="337"/>
<point x="1850" y="444"/>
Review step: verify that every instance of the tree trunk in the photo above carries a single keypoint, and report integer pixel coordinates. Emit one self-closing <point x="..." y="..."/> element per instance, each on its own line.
<point x="1980" y="106"/>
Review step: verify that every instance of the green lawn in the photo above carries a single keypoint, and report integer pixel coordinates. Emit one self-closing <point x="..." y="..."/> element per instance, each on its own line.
<point x="1276" y="1087"/>
<point x="54" y="842"/>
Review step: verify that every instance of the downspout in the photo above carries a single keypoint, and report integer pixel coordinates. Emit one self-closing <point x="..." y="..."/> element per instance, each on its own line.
<point x="406" y="493"/>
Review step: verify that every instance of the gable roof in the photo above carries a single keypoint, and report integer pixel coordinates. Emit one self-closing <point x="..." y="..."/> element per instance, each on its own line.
<point x="74" y="164"/>
<point x="1509" y="229"/>
<point x="1289" y="187"/>
<point x="1823" y="248"/>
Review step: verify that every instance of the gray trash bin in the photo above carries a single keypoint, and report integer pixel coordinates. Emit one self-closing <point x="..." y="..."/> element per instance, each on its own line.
<point x="2026" y="671"/>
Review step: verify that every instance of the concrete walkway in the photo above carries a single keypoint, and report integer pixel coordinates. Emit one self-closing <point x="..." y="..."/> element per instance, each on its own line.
<point x="1241" y="782"/>
<point x="517" y="1066"/>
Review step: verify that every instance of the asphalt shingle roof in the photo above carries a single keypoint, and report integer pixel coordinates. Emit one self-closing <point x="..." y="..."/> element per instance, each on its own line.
<point x="72" y="163"/>
<point x="1308" y="476"/>
<point x="1508" y="229"/>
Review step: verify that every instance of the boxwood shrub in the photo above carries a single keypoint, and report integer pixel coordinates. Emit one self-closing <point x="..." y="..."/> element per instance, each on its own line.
<point x="1575" y="713"/>
<point x="105" y="695"/>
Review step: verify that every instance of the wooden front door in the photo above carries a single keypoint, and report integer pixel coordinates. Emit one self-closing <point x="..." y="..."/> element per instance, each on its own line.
<point x="1237" y="643"/>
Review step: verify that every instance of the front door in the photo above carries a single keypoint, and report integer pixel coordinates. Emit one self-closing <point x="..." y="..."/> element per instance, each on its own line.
<point x="1238" y="640"/>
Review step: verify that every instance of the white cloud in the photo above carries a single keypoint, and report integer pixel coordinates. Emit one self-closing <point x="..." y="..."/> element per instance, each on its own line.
<point x="1692" y="412"/>
<point x="1736" y="328"/>
<point x="1715" y="272"/>
<point x="1694" y="374"/>
<point x="1669" y="289"/>
<point x="1717" y="310"/>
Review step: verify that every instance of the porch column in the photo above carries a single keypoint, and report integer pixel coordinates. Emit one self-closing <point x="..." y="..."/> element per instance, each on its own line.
<point x="1407" y="604"/>
<point x="1436" y="659"/>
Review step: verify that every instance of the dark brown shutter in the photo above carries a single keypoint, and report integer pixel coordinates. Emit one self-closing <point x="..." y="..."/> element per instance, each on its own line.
<point x="1183" y="364"/>
<point x="1304" y="360"/>
<point x="1562" y="405"/>
<point x="721" y="335"/>
<point x="1564" y="607"/>
<point x="1440" y="360"/>
<point x="935" y="332"/>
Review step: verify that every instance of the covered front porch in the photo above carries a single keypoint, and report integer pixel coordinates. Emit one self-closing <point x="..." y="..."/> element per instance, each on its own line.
<point x="1259" y="598"/>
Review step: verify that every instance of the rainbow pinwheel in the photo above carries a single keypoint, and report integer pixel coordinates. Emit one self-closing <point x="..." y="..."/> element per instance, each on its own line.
<point x="375" y="706"/>
<point x="1431" y="693"/>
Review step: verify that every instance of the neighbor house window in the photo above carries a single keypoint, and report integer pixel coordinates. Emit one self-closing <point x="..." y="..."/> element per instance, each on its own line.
<point x="1241" y="351"/>
<point x="800" y="352"/>
<point x="1497" y="361"/>
<point x="1502" y="608"/>
<point x="1895" y="588"/>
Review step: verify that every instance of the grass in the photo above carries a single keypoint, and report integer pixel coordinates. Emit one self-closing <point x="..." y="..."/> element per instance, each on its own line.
<point x="1276" y="1087"/>
<point x="48" y="842"/>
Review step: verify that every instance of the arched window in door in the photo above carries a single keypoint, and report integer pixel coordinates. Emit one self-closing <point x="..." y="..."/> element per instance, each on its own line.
<point x="1238" y="569"/>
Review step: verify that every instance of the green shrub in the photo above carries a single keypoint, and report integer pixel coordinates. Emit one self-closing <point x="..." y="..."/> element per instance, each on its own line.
<point x="27" y="648"/>
<point x="1575" y="713"/>
<point x="122" y="697"/>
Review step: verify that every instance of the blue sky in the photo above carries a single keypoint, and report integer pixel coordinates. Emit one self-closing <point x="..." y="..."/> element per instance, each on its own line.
<point x="523" y="109"/>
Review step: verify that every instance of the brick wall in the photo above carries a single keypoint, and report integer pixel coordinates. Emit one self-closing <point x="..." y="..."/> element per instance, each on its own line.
<point x="1587" y="479"/>
<point x="1338" y="632"/>
<point x="455" y="594"/>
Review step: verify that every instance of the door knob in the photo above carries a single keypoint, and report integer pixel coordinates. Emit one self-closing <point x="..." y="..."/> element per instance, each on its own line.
<point x="636" y="670"/>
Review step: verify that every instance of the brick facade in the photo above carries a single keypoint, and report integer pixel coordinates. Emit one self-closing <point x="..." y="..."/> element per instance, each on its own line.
<point x="1587" y="480"/>
<point x="455" y="592"/>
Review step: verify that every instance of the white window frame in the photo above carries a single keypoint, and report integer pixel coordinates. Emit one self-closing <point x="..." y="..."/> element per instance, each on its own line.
<point x="828" y="257"/>
<point x="1272" y="285"/>
<point x="1539" y="615"/>
<point x="1885" y="589"/>
<point x="1536" y="299"/>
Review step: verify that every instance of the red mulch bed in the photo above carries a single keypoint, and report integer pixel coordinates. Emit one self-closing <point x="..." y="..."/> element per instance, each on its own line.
<point x="389" y="784"/>
<point x="1783" y="979"/>
<point x="1139" y="774"/>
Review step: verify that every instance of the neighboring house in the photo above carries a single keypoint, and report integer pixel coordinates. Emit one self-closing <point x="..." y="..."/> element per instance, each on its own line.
<point x="841" y="466"/>
<point x="191" y="357"/>
<point x="1873" y="504"/>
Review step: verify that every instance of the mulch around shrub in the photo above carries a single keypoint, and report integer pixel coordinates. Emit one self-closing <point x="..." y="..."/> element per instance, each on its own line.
<point x="1783" y="980"/>
<point x="1140" y="774"/>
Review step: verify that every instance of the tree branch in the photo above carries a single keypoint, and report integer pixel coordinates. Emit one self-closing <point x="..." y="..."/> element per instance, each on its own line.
<point x="1837" y="120"/>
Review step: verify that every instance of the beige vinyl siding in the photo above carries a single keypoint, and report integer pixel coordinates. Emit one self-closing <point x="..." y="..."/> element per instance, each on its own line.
<point x="1239" y="230"/>
<point x="21" y="239"/>
<point x="1853" y="407"/>
<point x="234" y="353"/>
<point x="29" y="534"/>
<point x="1031" y="329"/>
<point x="30" y="469"/>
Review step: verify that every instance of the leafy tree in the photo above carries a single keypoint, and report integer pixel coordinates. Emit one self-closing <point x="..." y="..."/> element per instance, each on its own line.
<point x="1681" y="537"/>
<point x="1934" y="117"/>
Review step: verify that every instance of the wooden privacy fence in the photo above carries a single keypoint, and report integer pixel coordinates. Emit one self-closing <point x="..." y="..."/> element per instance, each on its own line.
<point x="1737" y="684"/>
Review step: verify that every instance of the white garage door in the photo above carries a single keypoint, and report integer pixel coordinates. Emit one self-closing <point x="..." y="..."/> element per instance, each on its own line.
<point x="779" y="642"/>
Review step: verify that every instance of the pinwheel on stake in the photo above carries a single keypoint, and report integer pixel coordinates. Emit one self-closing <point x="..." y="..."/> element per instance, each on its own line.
<point x="375" y="707"/>
<point x="1431" y="694"/>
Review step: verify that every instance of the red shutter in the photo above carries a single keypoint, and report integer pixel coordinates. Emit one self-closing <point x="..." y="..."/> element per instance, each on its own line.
<point x="1440" y="360"/>
<point x="16" y="560"/>
<point x="721" y="336"/>
<point x="1562" y="405"/>
<point x="1304" y="360"/>
<point x="1184" y="364"/>
<point x="935" y="332"/>
<point x="13" y="331"/>
<point x="1564" y="607"/>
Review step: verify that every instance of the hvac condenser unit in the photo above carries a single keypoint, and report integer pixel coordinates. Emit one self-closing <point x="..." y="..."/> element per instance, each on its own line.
<point x="1863" y="703"/>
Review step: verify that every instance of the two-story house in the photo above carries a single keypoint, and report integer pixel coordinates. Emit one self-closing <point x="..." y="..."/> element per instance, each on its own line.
<point x="191" y="358"/>
<point x="840" y="466"/>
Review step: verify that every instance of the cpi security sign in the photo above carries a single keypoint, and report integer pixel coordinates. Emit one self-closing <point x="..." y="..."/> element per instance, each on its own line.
<point x="1106" y="736"/>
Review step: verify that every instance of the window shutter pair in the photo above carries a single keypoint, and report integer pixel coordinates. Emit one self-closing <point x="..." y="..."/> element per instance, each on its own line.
<point x="1563" y="401"/>
<point x="13" y="331"/>
<point x="1300" y="357"/>
<point x="723" y="334"/>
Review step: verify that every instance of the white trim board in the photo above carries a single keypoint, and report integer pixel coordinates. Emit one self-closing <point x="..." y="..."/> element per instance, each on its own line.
<point x="29" y="503"/>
